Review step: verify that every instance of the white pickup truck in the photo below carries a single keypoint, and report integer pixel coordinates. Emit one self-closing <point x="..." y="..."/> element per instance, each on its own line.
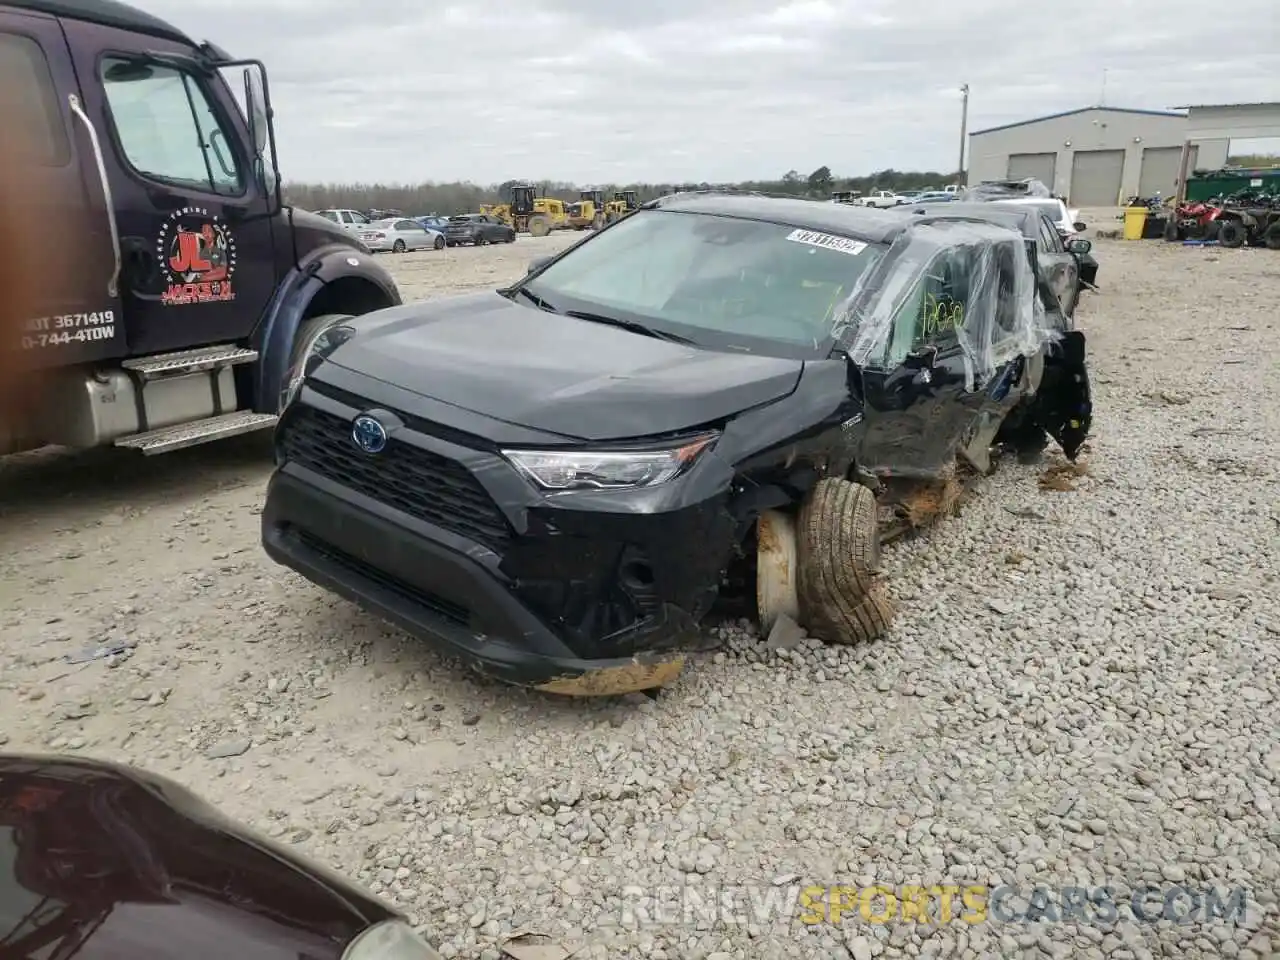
<point x="879" y="198"/>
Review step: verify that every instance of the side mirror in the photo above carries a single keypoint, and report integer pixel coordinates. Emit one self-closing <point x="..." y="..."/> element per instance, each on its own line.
<point x="922" y="359"/>
<point x="1080" y="226"/>
<point x="537" y="264"/>
<point x="256" y="110"/>
<point x="1080" y="246"/>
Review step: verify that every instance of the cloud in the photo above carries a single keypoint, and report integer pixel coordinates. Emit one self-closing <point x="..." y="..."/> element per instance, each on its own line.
<point x="688" y="90"/>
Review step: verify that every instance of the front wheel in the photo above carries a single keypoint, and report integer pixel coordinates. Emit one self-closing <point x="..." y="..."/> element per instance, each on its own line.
<point x="511" y="237"/>
<point x="1232" y="234"/>
<point x="398" y="247"/>
<point x="480" y="240"/>
<point x="1272" y="237"/>
<point x="438" y="244"/>
<point x="838" y="554"/>
<point x="303" y="341"/>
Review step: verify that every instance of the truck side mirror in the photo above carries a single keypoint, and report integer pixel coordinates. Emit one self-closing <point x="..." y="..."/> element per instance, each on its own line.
<point x="1080" y="226"/>
<point x="1080" y="246"/>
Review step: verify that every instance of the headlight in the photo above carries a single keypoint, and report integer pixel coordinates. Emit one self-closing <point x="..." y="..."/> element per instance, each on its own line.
<point x="311" y="355"/>
<point x="390" y="940"/>
<point x="607" y="469"/>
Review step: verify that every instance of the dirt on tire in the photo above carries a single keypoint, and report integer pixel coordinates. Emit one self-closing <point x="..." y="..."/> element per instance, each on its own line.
<point x="838" y="554"/>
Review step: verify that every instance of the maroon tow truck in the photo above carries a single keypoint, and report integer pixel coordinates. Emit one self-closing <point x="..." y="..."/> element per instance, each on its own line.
<point x="193" y="289"/>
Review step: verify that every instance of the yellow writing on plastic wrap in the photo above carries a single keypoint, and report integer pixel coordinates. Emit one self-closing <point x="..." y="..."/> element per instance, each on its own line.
<point x="941" y="316"/>
<point x="881" y="904"/>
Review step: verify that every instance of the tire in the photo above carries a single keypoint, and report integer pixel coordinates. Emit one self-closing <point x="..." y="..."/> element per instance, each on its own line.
<point x="838" y="554"/>
<point x="539" y="226"/>
<point x="439" y="243"/>
<point x="1232" y="234"/>
<point x="307" y="331"/>
<point x="398" y="247"/>
<point x="511" y="237"/>
<point x="1272" y="237"/>
<point x="480" y="240"/>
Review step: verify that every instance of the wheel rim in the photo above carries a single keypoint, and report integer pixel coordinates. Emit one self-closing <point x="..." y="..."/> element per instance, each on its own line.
<point x="398" y="247"/>
<point x="776" y="564"/>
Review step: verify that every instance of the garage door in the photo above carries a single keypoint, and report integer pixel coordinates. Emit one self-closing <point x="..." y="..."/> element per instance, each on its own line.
<point x="1038" y="165"/>
<point x="1160" y="167"/>
<point x="1095" y="178"/>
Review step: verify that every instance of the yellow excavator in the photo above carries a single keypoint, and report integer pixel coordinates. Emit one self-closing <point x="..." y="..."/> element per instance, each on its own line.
<point x="624" y="202"/>
<point x="589" y="212"/>
<point x="528" y="213"/>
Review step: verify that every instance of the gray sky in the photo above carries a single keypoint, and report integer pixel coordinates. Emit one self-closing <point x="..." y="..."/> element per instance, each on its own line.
<point x="714" y="90"/>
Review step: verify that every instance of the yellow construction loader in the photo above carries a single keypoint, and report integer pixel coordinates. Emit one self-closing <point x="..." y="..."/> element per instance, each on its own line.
<point x="528" y="213"/>
<point x="624" y="202"/>
<point x="589" y="212"/>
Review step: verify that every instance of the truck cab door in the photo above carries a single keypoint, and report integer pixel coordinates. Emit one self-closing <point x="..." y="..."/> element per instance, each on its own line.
<point x="56" y="195"/>
<point x="196" y="235"/>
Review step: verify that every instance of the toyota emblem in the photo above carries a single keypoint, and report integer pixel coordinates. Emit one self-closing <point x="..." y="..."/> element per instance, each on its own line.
<point x="368" y="434"/>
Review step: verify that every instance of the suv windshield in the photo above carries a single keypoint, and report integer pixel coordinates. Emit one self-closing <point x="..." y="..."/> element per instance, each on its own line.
<point x="721" y="282"/>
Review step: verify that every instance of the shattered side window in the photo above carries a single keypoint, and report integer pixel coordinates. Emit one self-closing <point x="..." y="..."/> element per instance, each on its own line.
<point x="969" y="282"/>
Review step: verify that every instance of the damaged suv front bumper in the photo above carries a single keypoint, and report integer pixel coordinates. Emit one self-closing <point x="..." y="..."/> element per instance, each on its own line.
<point x="578" y="593"/>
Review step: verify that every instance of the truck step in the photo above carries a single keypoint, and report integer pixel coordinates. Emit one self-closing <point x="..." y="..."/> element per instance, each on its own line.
<point x="189" y="361"/>
<point x="198" y="431"/>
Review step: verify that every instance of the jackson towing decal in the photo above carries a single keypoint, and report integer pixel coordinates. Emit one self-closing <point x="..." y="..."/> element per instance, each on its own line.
<point x="828" y="241"/>
<point x="197" y="252"/>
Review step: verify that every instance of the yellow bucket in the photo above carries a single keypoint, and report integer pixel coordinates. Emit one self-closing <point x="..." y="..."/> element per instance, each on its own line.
<point x="1135" y="221"/>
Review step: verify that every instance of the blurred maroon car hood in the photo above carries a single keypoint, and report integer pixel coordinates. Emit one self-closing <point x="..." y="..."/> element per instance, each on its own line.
<point x="106" y="862"/>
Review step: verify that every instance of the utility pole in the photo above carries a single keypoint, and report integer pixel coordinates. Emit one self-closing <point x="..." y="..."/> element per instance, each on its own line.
<point x="964" y="131"/>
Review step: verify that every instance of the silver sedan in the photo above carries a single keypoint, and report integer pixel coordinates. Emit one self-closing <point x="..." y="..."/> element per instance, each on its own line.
<point x="398" y="235"/>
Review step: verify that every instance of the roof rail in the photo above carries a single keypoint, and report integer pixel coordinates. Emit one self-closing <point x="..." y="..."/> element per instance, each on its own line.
<point x="718" y="192"/>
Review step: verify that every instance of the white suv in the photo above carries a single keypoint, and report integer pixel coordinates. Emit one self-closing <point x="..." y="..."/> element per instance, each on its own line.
<point x="350" y="220"/>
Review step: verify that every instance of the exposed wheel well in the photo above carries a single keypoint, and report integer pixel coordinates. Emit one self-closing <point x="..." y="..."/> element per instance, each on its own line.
<point x="352" y="295"/>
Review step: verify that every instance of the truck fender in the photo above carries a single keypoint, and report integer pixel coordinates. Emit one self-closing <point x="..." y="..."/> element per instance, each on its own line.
<point x="332" y="279"/>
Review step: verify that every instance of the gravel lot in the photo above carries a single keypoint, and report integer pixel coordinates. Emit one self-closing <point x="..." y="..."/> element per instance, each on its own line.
<point x="1082" y="688"/>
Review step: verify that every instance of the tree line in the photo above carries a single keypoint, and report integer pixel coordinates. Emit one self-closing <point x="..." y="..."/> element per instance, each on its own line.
<point x="423" y="199"/>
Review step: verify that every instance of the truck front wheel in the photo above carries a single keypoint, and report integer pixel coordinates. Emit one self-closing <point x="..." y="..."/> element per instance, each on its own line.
<point x="303" y="343"/>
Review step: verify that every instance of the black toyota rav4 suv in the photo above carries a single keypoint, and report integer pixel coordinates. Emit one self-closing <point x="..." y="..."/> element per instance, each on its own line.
<point x="555" y="480"/>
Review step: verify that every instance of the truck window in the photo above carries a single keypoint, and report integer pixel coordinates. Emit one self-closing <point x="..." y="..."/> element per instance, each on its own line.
<point x="167" y="128"/>
<point x="29" y="103"/>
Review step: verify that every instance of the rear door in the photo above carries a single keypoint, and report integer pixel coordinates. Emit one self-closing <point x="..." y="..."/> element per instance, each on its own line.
<point x="413" y="233"/>
<point x="199" y="263"/>
<point x="54" y="192"/>
<point x="1058" y="265"/>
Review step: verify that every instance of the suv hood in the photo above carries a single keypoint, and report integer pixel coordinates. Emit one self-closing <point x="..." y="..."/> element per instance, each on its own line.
<point x="557" y="374"/>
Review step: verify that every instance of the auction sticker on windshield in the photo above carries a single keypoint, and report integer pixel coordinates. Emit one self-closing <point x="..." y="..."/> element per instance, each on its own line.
<point x="827" y="240"/>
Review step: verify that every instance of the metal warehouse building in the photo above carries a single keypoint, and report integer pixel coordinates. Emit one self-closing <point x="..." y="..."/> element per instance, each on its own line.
<point x="1096" y="156"/>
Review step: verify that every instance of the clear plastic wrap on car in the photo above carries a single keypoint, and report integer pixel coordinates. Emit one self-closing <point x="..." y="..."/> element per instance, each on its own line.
<point x="1006" y="190"/>
<point x="1000" y="314"/>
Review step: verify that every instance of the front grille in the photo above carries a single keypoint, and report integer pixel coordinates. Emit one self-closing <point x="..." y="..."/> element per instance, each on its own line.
<point x="423" y="484"/>
<point x="455" y="612"/>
